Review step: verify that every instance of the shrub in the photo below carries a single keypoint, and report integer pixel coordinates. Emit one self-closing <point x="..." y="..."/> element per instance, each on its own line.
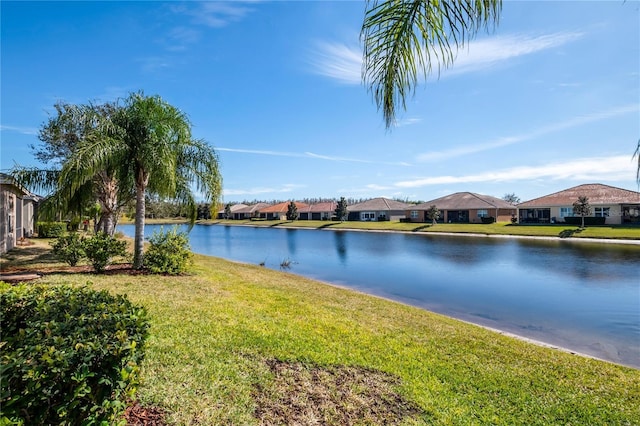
<point x="69" y="356"/>
<point x="168" y="252"/>
<point x="102" y="248"/>
<point x="489" y="219"/>
<point x="51" y="229"/>
<point x="69" y="248"/>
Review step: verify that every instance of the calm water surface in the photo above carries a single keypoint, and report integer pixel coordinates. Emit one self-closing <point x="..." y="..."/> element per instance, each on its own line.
<point x="581" y="296"/>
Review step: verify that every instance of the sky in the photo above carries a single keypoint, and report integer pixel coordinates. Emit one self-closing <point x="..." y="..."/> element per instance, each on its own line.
<point x="547" y="100"/>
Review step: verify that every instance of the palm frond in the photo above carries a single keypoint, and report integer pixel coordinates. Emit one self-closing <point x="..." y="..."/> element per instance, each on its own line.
<point x="402" y="38"/>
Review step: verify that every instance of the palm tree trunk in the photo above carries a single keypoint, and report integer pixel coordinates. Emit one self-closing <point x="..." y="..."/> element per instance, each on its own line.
<point x="138" y="248"/>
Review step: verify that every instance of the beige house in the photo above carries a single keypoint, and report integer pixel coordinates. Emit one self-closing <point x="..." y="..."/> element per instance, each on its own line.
<point x="248" y="212"/>
<point x="614" y="205"/>
<point x="377" y="209"/>
<point x="318" y="211"/>
<point x="464" y="207"/>
<point x="17" y="213"/>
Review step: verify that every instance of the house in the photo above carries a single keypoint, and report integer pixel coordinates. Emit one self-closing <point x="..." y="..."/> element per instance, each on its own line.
<point x="279" y="211"/>
<point x="464" y="207"/>
<point x="248" y="212"/>
<point x="234" y="208"/>
<point x="614" y="205"/>
<point x="17" y="212"/>
<point x="318" y="211"/>
<point x="377" y="209"/>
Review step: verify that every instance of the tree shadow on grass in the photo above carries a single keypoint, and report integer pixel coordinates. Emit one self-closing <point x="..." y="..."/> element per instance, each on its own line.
<point x="328" y="225"/>
<point x="567" y="233"/>
<point x="420" y="228"/>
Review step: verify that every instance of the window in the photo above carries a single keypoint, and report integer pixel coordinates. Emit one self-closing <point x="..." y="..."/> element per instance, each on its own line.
<point x="414" y="214"/>
<point x="483" y="213"/>
<point x="367" y="216"/>
<point x="566" y="211"/>
<point x="601" y="211"/>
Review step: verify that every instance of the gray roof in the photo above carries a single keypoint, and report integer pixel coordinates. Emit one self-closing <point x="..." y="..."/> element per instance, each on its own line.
<point x="465" y="201"/>
<point x="253" y="208"/>
<point x="379" y="204"/>
<point x="597" y="193"/>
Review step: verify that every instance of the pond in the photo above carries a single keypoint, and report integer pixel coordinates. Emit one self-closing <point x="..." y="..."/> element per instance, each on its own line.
<point x="581" y="296"/>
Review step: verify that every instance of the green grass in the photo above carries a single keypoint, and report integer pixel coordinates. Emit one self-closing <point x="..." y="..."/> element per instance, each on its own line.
<point x="563" y="231"/>
<point x="216" y="333"/>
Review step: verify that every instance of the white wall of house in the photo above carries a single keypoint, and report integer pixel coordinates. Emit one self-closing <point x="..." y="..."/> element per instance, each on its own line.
<point x="7" y="217"/>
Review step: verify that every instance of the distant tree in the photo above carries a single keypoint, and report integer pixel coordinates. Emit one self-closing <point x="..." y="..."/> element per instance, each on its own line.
<point x="637" y="154"/>
<point x="582" y="208"/>
<point x="227" y="211"/>
<point x="341" y="209"/>
<point x="511" y="198"/>
<point x="292" y="211"/>
<point x="433" y="214"/>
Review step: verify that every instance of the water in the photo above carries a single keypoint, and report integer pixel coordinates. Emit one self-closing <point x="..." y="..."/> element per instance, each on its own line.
<point x="580" y="296"/>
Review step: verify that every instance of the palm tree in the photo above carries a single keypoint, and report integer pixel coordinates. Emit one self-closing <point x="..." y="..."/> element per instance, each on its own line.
<point x="404" y="37"/>
<point x="149" y="145"/>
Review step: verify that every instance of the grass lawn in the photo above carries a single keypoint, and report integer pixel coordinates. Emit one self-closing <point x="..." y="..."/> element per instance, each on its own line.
<point x="563" y="231"/>
<point x="240" y="344"/>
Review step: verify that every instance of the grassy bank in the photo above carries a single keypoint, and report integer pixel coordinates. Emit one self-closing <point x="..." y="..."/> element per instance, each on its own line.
<point x="233" y="342"/>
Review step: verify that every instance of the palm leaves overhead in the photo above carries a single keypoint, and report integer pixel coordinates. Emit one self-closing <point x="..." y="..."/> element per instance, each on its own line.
<point x="405" y="37"/>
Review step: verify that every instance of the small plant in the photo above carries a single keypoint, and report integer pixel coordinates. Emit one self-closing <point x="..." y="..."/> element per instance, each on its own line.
<point x="168" y="253"/>
<point x="69" y="248"/>
<point x="51" y="229"/>
<point x="102" y="248"/>
<point x="286" y="264"/>
<point x="70" y="356"/>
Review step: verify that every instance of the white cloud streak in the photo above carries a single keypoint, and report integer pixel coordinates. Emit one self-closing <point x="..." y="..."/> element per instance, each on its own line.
<point x="18" y="129"/>
<point x="545" y="130"/>
<point x="262" y="190"/>
<point x="344" y="63"/>
<point x="597" y="169"/>
<point x="313" y="156"/>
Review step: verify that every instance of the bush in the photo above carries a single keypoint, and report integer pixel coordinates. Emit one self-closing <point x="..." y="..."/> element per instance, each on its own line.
<point x="168" y="252"/>
<point x="102" y="248"/>
<point x="489" y="219"/>
<point x="51" y="229"/>
<point x="69" y="248"/>
<point x="69" y="356"/>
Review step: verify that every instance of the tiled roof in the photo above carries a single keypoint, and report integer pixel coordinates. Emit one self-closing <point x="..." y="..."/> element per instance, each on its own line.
<point x="597" y="194"/>
<point x="235" y="208"/>
<point x="379" y="204"/>
<point x="465" y="201"/>
<point x="252" y="208"/>
<point x="319" y="208"/>
<point x="283" y="207"/>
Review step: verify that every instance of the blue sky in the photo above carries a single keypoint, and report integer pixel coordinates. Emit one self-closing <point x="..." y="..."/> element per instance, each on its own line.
<point x="548" y="100"/>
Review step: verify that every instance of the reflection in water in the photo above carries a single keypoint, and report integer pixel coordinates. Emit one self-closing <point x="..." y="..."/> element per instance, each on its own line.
<point x="341" y="246"/>
<point x="581" y="296"/>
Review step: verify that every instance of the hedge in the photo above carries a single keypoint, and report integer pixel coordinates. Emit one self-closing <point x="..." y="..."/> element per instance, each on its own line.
<point x="69" y="355"/>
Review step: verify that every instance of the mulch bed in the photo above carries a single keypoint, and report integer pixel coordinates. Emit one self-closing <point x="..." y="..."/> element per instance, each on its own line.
<point x="137" y="415"/>
<point x="13" y="275"/>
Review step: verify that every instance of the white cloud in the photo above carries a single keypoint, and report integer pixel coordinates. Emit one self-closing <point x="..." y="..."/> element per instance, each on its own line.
<point x="312" y="155"/>
<point x="17" y="129"/>
<point x="215" y="14"/>
<point x="344" y="63"/>
<point x="545" y="130"/>
<point x="598" y="169"/>
<point x="408" y="122"/>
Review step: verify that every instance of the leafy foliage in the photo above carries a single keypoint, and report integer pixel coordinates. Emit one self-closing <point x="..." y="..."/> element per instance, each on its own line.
<point x="51" y="229"/>
<point x="169" y="252"/>
<point x="433" y="214"/>
<point x="341" y="209"/>
<point x="227" y="212"/>
<point x="511" y="198"/>
<point x="292" y="211"/>
<point x="101" y="248"/>
<point x="69" y="248"/>
<point x="70" y="355"/>
<point x="582" y="208"/>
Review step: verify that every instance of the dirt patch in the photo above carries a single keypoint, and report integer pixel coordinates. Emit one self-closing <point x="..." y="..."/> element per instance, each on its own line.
<point x="137" y="415"/>
<point x="117" y="269"/>
<point x="334" y="395"/>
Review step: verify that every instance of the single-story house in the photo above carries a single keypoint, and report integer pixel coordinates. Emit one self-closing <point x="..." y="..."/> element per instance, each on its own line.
<point x="234" y="208"/>
<point x="464" y="207"/>
<point x="279" y="211"/>
<point x="17" y="212"/>
<point x="377" y="209"/>
<point x="318" y="211"/>
<point x="615" y="205"/>
<point x="248" y="212"/>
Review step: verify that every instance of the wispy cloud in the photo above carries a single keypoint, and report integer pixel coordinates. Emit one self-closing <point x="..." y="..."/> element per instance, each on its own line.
<point x="598" y="169"/>
<point x="544" y="130"/>
<point x="215" y="14"/>
<point x="344" y="63"/>
<point x="313" y="156"/>
<point x="408" y="122"/>
<point x="494" y="51"/>
<point x="263" y="190"/>
<point x="18" y="129"/>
